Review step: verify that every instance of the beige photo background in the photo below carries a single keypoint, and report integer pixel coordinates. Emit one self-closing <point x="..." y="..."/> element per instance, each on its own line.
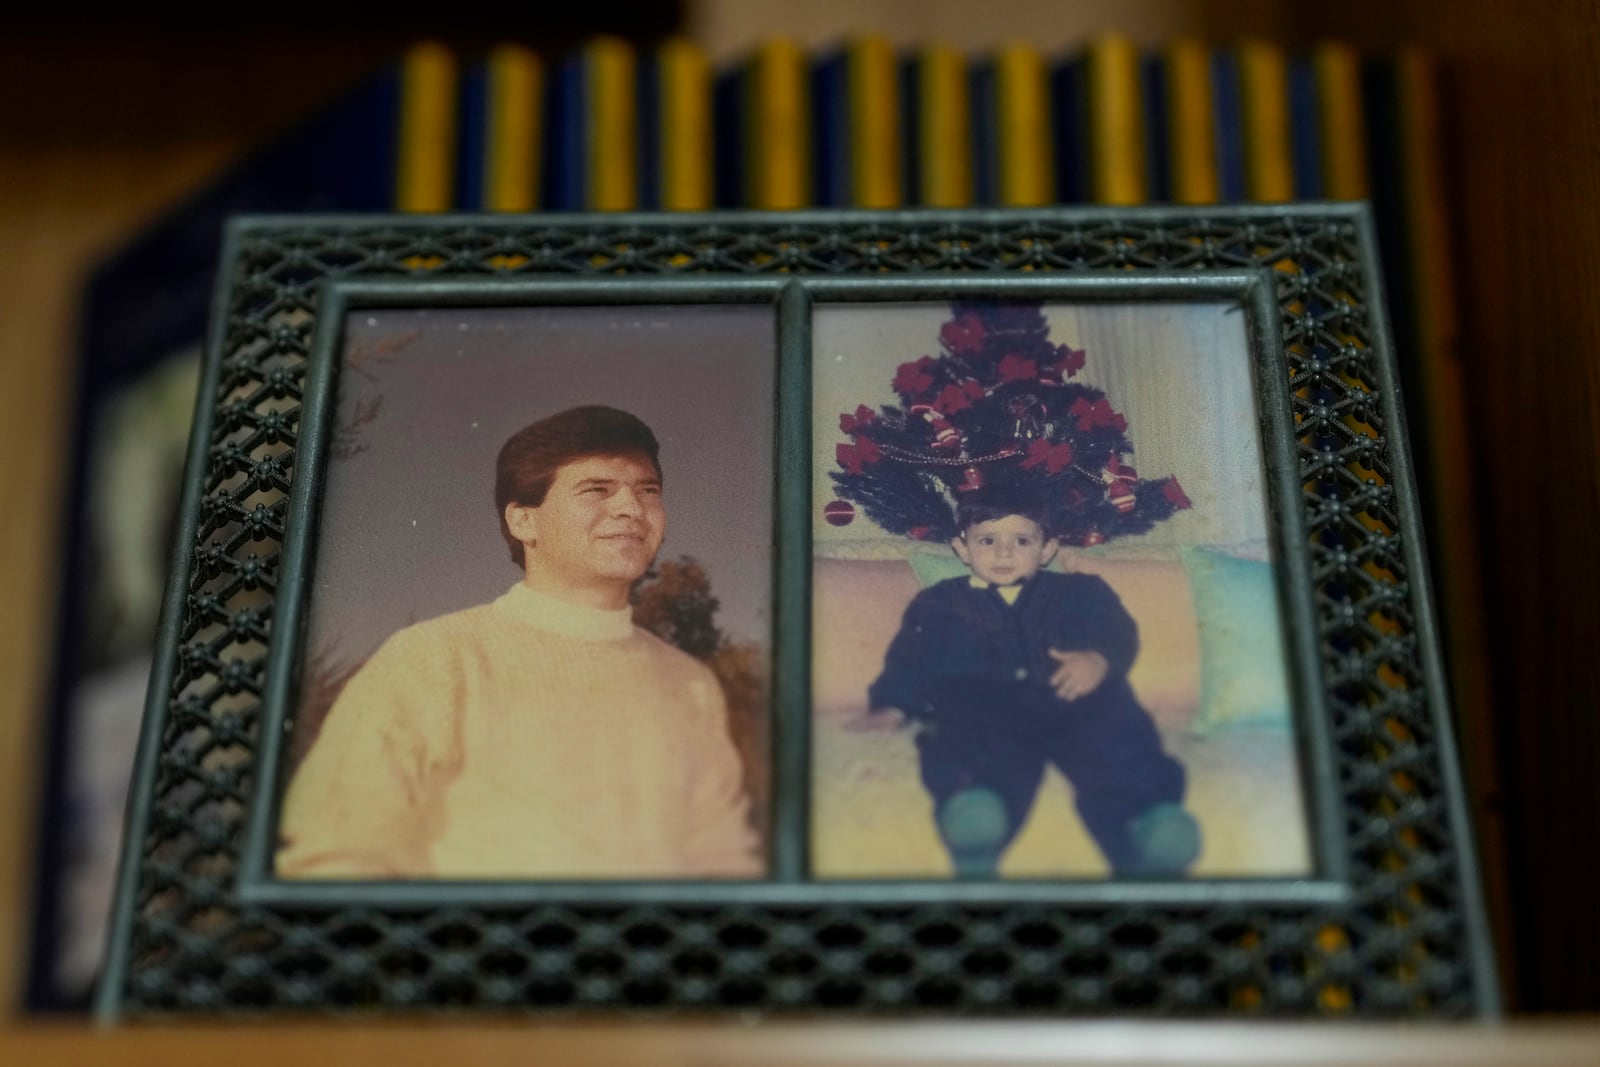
<point x="1181" y="375"/>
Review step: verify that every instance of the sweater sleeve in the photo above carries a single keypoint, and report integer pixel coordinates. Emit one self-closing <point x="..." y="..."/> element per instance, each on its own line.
<point x="721" y="842"/>
<point x="365" y="801"/>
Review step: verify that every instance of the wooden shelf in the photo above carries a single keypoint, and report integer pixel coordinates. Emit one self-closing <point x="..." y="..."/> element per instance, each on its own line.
<point x="791" y="1045"/>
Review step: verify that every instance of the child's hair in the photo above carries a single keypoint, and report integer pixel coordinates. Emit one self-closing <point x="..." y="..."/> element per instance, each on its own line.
<point x="987" y="505"/>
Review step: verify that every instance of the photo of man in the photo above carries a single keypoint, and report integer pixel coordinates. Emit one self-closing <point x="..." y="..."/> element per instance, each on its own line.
<point x="555" y="730"/>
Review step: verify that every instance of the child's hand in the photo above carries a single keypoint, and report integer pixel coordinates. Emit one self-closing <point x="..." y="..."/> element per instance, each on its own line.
<point x="1079" y="673"/>
<point x="887" y="721"/>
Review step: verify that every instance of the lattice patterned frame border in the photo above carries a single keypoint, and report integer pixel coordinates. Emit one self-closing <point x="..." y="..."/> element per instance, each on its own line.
<point x="1404" y="935"/>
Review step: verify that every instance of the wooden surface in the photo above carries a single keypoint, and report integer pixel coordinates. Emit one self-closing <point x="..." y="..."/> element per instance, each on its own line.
<point x="792" y="1045"/>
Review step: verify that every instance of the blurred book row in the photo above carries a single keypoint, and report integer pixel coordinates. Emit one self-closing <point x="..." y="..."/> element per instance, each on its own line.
<point x="614" y="128"/>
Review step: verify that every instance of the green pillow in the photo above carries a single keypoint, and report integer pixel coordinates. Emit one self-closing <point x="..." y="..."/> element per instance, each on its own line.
<point x="1244" y="677"/>
<point x="934" y="565"/>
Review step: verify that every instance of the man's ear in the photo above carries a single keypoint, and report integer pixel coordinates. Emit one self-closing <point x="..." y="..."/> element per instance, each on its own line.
<point x="523" y="522"/>
<point x="960" y="546"/>
<point x="1051" y="547"/>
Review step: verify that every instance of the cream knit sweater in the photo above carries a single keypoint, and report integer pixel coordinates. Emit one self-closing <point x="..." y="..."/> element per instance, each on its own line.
<point x="528" y="738"/>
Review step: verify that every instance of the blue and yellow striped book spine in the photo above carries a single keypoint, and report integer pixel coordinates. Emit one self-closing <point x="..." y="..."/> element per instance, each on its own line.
<point x="1069" y="105"/>
<point x="1013" y="128"/>
<point x="499" y="131"/>
<point x="515" y="107"/>
<point x="777" y="129"/>
<point x="1305" y="129"/>
<point x="1191" y="124"/>
<point x="763" y="130"/>
<point x="1264" y="102"/>
<point x="1115" y="121"/>
<point x="1157" y="128"/>
<point x="936" y="110"/>
<point x="425" y="152"/>
<point x="611" y="144"/>
<point x="564" y="182"/>
<point x="1337" y="70"/>
<point x="830" y="129"/>
<point x="855" y="107"/>
<point x="593" y="140"/>
<point x="875" y="141"/>
<point x="675" y="128"/>
<point x="1027" y="163"/>
<point x="1227" y="107"/>
<point x="728" y="90"/>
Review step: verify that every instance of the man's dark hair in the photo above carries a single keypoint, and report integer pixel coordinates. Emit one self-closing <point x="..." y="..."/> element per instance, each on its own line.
<point x="530" y="459"/>
<point x="987" y="505"/>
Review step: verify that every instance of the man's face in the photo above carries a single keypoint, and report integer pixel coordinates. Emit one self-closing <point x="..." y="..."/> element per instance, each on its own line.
<point x="1005" y="550"/>
<point x="600" y="524"/>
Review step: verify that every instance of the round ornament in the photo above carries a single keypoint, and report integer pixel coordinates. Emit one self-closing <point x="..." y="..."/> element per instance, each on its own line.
<point x="839" y="512"/>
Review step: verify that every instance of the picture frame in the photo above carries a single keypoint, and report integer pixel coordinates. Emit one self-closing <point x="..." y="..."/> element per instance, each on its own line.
<point x="1384" y="918"/>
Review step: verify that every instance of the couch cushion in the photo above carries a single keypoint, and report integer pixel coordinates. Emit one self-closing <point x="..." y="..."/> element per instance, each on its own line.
<point x="1244" y="675"/>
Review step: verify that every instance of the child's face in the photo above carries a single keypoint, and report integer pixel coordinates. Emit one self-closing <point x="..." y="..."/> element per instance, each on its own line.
<point x="1005" y="550"/>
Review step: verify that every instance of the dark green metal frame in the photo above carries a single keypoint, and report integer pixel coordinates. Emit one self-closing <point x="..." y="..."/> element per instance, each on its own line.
<point x="1234" y="275"/>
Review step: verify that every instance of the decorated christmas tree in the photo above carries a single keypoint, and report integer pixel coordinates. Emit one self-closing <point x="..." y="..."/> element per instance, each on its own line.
<point x="999" y="407"/>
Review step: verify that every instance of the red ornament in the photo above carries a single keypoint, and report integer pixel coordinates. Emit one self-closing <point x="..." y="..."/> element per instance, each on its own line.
<point x="971" y="478"/>
<point x="1093" y="537"/>
<point x="918" y="533"/>
<point x="1120" y="494"/>
<point x="839" y="512"/>
<point x="946" y="438"/>
<point x="1120" y="480"/>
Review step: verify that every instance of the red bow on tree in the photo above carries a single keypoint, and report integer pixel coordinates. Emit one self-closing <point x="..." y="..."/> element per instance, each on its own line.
<point x="854" y="424"/>
<point x="1068" y="361"/>
<point x="964" y="335"/>
<point x="913" y="379"/>
<point x="1015" y="368"/>
<point x="863" y="453"/>
<point x="1100" y="413"/>
<point x="956" y="398"/>
<point x="1174" y="492"/>
<point x="1055" y="458"/>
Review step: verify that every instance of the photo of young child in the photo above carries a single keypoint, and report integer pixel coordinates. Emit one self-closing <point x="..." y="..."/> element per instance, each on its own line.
<point x="1047" y="640"/>
<point x="1015" y="668"/>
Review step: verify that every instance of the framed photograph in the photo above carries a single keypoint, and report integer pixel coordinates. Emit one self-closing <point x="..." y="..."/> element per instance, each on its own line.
<point x="993" y="612"/>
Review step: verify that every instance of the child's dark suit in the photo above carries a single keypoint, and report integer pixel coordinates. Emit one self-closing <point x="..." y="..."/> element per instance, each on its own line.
<point x="975" y="672"/>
